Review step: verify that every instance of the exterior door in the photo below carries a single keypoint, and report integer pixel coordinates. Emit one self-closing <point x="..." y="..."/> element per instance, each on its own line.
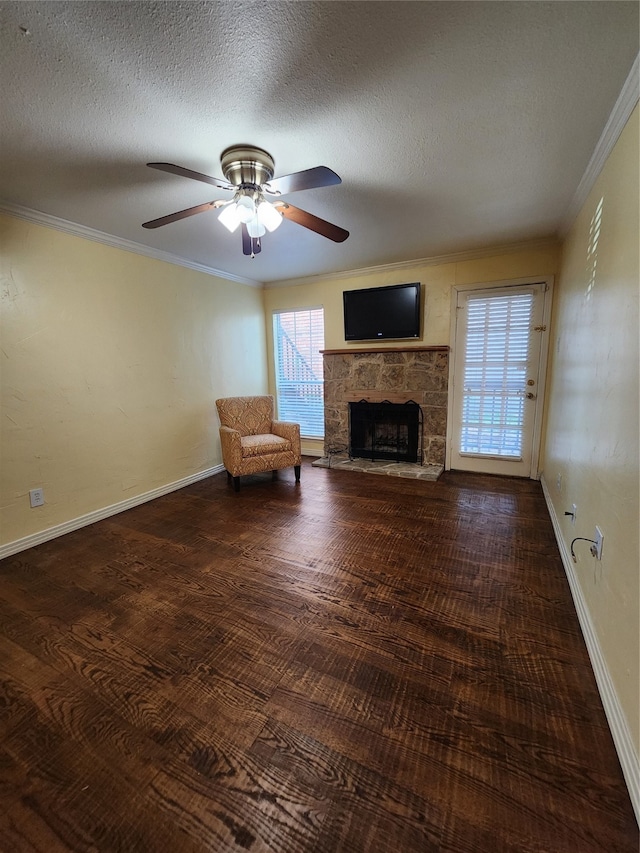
<point x="497" y="371"/>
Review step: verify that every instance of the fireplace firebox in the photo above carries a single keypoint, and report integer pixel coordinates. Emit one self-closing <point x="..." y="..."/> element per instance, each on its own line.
<point x="391" y="431"/>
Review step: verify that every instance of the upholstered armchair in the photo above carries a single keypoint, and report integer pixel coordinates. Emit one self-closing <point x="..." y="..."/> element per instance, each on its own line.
<point x="252" y="441"/>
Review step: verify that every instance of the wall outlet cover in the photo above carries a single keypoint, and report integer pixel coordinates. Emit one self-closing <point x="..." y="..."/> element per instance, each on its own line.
<point x="599" y="537"/>
<point x="36" y="497"/>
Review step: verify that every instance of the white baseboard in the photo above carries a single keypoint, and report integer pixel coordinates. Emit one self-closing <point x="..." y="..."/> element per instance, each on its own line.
<point x="622" y="739"/>
<point x="98" y="514"/>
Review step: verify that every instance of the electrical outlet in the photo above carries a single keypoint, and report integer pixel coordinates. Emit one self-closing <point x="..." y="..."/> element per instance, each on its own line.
<point x="36" y="497"/>
<point x="559" y="482"/>
<point x="599" y="537"/>
<point x="574" y="513"/>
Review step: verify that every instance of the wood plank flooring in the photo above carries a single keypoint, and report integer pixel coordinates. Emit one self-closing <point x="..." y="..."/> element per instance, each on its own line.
<point x="358" y="664"/>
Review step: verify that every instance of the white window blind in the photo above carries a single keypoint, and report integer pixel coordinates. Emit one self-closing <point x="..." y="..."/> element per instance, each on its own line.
<point x="298" y="338"/>
<point x="495" y="368"/>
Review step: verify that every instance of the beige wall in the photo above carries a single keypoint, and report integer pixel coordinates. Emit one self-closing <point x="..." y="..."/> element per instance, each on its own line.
<point x="111" y="363"/>
<point x="592" y="422"/>
<point x="438" y="280"/>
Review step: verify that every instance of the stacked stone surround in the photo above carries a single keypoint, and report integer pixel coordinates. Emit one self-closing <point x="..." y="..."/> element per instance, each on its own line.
<point x="398" y="375"/>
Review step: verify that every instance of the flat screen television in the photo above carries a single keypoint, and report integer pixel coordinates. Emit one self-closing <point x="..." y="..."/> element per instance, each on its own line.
<point x="380" y="313"/>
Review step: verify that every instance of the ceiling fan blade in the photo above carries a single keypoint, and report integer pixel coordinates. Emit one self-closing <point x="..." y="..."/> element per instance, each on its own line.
<point x="309" y="179"/>
<point x="250" y="245"/>
<point x="189" y="173"/>
<point x="314" y="223"/>
<point x="181" y="214"/>
<point x="246" y="240"/>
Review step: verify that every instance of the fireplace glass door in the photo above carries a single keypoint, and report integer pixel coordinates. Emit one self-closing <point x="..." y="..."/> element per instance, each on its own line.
<point x="385" y="431"/>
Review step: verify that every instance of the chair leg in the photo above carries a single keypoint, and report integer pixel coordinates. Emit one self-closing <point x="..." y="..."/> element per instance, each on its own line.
<point x="236" y="484"/>
<point x="296" y="468"/>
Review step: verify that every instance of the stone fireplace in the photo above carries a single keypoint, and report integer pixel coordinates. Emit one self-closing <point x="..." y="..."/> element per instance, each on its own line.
<point x="398" y="375"/>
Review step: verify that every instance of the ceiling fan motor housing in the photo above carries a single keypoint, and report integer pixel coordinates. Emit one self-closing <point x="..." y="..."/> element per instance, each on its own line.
<point x="244" y="164"/>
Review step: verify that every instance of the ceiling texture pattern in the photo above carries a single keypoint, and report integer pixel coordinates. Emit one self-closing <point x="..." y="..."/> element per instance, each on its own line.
<point x="453" y="125"/>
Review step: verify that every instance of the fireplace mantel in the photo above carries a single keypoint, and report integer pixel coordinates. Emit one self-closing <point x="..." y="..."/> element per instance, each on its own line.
<point x="382" y="349"/>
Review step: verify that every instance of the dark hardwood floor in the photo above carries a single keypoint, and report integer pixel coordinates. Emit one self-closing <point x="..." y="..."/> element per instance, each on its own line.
<point x="359" y="664"/>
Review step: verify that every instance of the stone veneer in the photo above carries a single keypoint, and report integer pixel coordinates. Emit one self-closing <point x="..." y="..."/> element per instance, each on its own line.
<point x="398" y="375"/>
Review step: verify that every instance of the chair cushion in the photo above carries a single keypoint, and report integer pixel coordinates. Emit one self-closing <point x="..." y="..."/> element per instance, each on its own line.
<point x="260" y="445"/>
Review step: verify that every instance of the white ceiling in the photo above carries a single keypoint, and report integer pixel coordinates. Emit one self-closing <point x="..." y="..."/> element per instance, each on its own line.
<point x="453" y="125"/>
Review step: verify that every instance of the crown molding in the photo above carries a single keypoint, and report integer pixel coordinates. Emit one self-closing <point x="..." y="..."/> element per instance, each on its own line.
<point x="623" y="107"/>
<point x="49" y="221"/>
<point x="434" y="260"/>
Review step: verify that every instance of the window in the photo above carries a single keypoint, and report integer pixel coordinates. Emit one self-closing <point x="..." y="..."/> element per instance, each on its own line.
<point x="298" y="337"/>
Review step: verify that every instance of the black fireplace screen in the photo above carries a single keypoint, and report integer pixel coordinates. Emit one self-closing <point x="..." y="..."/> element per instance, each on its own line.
<point x="385" y="430"/>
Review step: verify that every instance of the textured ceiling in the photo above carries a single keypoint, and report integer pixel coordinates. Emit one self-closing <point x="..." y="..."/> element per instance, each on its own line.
<point x="453" y="125"/>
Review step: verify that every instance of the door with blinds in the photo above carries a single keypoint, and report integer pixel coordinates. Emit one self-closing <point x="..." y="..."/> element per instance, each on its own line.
<point x="497" y="373"/>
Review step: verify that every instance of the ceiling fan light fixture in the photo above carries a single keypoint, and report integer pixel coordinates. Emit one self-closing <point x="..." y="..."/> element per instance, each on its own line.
<point x="246" y="208"/>
<point x="255" y="227"/>
<point x="269" y="216"/>
<point x="229" y="217"/>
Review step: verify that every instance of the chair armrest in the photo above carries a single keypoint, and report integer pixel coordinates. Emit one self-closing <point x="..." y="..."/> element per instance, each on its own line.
<point x="231" y="449"/>
<point x="290" y="431"/>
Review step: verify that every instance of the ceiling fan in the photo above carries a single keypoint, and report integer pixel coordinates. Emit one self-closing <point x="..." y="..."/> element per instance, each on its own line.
<point x="249" y="175"/>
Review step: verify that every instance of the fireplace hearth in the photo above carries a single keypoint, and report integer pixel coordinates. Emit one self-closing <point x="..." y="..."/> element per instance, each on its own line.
<point x="385" y="431"/>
